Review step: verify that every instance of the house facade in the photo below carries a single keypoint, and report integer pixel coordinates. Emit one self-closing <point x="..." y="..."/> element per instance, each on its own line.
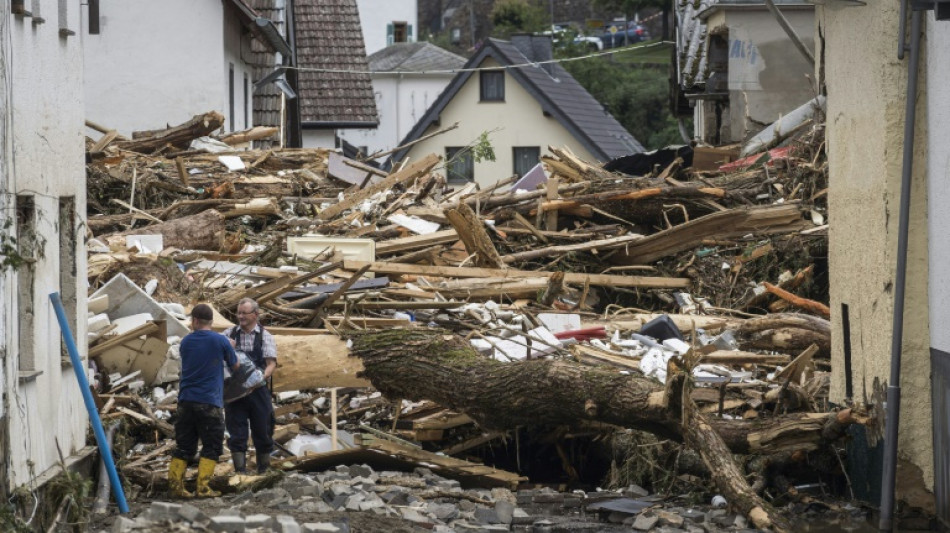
<point x="407" y="79"/>
<point x="386" y="22"/>
<point x="42" y="178"/>
<point x="523" y="109"/>
<point x="737" y="70"/>
<point x="867" y="90"/>
<point x="139" y="77"/>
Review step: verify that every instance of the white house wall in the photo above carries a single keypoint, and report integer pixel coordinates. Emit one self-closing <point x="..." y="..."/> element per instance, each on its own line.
<point x="237" y="44"/>
<point x="518" y="121"/>
<point x="140" y="71"/>
<point x="48" y="164"/>
<point x="319" y="138"/>
<point x="401" y="100"/>
<point x="375" y="15"/>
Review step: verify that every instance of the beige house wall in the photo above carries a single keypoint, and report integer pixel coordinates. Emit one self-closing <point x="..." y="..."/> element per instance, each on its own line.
<point x="866" y="86"/>
<point x="518" y="121"/>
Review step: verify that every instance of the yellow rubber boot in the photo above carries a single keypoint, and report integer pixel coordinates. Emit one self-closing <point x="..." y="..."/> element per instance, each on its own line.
<point x="176" y="479"/>
<point x="205" y="471"/>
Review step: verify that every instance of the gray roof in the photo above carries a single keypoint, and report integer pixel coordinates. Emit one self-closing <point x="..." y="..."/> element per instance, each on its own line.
<point x="414" y="57"/>
<point x="559" y="94"/>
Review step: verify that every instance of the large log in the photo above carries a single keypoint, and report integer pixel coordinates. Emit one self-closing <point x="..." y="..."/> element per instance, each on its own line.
<point x="419" y="363"/>
<point x="311" y="361"/>
<point x="148" y="141"/>
<point x="204" y="231"/>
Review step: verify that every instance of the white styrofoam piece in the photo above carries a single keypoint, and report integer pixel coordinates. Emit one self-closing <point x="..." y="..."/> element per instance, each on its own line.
<point x="98" y="322"/>
<point x="126" y="298"/>
<point x="415" y="224"/>
<point x="98" y="305"/>
<point x="560" y="322"/>
<point x="146" y="244"/>
<point x="677" y="346"/>
<point x="124" y="324"/>
<point x="233" y="162"/>
<point x="513" y="349"/>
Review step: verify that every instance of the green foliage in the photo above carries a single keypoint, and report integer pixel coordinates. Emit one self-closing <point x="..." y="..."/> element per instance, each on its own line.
<point x="482" y="149"/>
<point x="517" y="16"/>
<point x="9" y="250"/>
<point x="636" y="96"/>
<point x="628" y="7"/>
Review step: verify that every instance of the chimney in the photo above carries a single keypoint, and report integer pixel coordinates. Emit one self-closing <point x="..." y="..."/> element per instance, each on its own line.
<point x="535" y="48"/>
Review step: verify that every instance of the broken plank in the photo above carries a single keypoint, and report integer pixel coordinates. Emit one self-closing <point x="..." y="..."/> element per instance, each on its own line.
<point x="416" y="241"/>
<point x="413" y="171"/>
<point x="471" y="231"/>
<point x="473" y="442"/>
<point x="600" y="280"/>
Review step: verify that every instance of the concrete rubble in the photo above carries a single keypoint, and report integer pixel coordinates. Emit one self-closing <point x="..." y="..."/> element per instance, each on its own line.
<point x="299" y="501"/>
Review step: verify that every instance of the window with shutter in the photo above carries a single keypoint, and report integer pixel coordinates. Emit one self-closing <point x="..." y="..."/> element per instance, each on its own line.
<point x="400" y="32"/>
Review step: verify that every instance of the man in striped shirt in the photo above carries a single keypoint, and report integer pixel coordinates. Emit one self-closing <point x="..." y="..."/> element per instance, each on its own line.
<point x="255" y="409"/>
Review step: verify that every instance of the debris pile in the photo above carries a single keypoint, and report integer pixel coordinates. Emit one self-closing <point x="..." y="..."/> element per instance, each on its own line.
<point x="708" y="285"/>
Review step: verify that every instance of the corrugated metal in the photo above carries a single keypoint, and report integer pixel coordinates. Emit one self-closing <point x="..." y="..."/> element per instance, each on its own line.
<point x="940" y="390"/>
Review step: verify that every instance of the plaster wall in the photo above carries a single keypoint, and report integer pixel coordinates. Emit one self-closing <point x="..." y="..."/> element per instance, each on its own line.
<point x="518" y="121"/>
<point x="401" y="100"/>
<point x="375" y="15"/>
<point x="767" y="74"/>
<point x="48" y="164"/>
<point x="140" y="76"/>
<point x="866" y="86"/>
<point x="319" y="138"/>
<point x="237" y="45"/>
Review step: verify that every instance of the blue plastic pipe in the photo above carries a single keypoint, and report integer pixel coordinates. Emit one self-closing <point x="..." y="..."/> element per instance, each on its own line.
<point x="104" y="449"/>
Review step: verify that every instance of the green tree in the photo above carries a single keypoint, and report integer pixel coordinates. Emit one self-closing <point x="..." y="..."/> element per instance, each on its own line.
<point x="517" y="16"/>
<point x="636" y="96"/>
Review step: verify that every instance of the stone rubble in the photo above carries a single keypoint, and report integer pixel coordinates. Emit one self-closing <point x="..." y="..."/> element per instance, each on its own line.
<point x="426" y="500"/>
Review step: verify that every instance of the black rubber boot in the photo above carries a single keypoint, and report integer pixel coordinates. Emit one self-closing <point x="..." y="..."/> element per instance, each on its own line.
<point x="263" y="462"/>
<point x="240" y="462"/>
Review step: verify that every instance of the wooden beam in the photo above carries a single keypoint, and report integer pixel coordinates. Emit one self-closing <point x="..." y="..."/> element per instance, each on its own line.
<point x="413" y="171"/>
<point x="600" y="280"/>
<point x="416" y="241"/>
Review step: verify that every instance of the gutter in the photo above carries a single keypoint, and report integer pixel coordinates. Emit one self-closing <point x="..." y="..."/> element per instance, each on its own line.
<point x="342" y="124"/>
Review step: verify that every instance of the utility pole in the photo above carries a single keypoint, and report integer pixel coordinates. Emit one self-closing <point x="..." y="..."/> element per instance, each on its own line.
<point x="551" y="3"/>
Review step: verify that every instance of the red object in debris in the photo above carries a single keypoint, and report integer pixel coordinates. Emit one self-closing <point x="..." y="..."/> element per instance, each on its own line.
<point x="585" y="334"/>
<point x="777" y="154"/>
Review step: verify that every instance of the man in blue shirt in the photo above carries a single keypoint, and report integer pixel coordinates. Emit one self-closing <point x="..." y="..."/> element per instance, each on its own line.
<point x="200" y="403"/>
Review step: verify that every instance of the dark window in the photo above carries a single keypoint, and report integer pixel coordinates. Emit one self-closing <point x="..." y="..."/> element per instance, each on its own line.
<point x="247" y="101"/>
<point x="18" y="7"/>
<point x="67" y="263"/>
<point x="525" y="158"/>
<point x="400" y="32"/>
<point x="26" y="247"/>
<point x="492" y="86"/>
<point x="231" y="96"/>
<point x="459" y="166"/>
<point x="94" y="17"/>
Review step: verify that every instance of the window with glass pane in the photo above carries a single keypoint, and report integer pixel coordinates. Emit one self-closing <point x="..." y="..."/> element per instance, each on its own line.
<point x="492" y="85"/>
<point x="525" y="158"/>
<point x="459" y="167"/>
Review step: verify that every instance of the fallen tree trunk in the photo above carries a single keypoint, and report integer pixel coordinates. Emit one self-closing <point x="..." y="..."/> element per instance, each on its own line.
<point x="417" y="364"/>
<point x="147" y="142"/>
<point x="310" y="361"/>
<point x="204" y="231"/>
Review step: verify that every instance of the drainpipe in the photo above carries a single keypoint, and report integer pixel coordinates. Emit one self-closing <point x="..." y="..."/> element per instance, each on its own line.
<point x="893" y="407"/>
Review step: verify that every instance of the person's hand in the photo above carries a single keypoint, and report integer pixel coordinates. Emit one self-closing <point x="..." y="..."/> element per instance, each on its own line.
<point x="233" y="343"/>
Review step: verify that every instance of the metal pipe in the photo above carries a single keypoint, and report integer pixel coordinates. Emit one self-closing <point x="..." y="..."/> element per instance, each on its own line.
<point x="105" y="451"/>
<point x="892" y="420"/>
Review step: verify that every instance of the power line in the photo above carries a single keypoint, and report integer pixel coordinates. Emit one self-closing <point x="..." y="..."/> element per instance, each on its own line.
<point x="480" y="69"/>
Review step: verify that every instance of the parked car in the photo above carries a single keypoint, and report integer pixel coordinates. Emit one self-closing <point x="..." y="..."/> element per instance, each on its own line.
<point x="565" y="33"/>
<point x="634" y="33"/>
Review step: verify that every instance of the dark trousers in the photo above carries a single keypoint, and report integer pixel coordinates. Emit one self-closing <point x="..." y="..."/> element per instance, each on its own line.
<point x="255" y="410"/>
<point x="199" y="421"/>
